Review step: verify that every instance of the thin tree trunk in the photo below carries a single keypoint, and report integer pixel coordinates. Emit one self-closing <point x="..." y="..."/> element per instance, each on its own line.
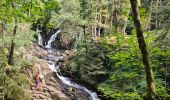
<point x="111" y="23"/>
<point x="85" y="39"/>
<point x="95" y="25"/>
<point x="150" y="10"/>
<point x="156" y="20"/>
<point x="92" y="29"/>
<point x="3" y="33"/>
<point x="105" y="23"/>
<point x="115" y="16"/>
<point x="100" y="21"/>
<point x="143" y="47"/>
<point x="2" y="30"/>
<point x="11" y="52"/>
<point x="124" y="27"/>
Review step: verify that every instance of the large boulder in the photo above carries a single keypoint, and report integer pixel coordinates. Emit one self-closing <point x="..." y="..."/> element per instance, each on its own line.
<point x="64" y="41"/>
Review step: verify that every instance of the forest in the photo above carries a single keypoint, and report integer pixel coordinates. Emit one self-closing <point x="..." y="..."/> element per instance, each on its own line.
<point x="84" y="49"/>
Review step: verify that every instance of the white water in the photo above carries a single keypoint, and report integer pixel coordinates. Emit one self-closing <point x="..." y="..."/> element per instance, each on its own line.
<point x="40" y="39"/>
<point x="66" y="81"/>
<point x="56" y="69"/>
<point x="52" y="38"/>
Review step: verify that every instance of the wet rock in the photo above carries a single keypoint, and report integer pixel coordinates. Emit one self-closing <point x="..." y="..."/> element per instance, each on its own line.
<point x="64" y="41"/>
<point x="54" y="58"/>
<point x="58" y="53"/>
<point x="53" y="80"/>
<point x="56" y="93"/>
<point x="61" y="58"/>
<point x="53" y="84"/>
<point x="65" y="57"/>
<point x="67" y="52"/>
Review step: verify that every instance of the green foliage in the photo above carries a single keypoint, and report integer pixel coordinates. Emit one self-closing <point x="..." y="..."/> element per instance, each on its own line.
<point x="48" y="9"/>
<point x="89" y="66"/>
<point x="13" y="13"/>
<point x="24" y="35"/>
<point x="68" y="13"/>
<point x="111" y="93"/>
<point x="127" y="74"/>
<point x="13" y="81"/>
<point x="15" y="85"/>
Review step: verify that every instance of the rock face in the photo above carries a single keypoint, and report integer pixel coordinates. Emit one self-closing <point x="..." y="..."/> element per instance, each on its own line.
<point x="64" y="41"/>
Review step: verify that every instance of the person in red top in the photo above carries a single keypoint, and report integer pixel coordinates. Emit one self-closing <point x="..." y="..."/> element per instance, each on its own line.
<point x="37" y="81"/>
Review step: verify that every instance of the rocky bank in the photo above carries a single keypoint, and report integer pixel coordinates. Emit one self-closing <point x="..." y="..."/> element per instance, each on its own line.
<point x="54" y="89"/>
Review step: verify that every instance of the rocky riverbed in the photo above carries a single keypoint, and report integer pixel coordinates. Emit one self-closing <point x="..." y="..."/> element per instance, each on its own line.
<point x="54" y="89"/>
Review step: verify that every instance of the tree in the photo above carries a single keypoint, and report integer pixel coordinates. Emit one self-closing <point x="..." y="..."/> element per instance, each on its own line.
<point x="11" y="52"/>
<point x="145" y="54"/>
<point x="14" y="14"/>
<point x="15" y="32"/>
<point x="163" y="30"/>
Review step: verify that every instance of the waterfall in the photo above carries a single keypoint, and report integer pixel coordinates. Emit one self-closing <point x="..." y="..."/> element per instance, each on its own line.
<point x="56" y="69"/>
<point x="40" y="39"/>
<point x="66" y="81"/>
<point x="52" y="38"/>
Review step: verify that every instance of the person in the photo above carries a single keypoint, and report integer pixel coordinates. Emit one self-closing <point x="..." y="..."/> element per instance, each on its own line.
<point x="37" y="81"/>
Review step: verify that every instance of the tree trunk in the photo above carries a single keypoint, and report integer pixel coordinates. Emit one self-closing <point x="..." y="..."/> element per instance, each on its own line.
<point x="124" y="27"/>
<point x="143" y="47"/>
<point x="115" y="16"/>
<point x="2" y="30"/>
<point x="92" y="29"/>
<point x="100" y="21"/>
<point x="85" y="39"/>
<point x="11" y="52"/>
<point x="95" y="25"/>
<point x="156" y="20"/>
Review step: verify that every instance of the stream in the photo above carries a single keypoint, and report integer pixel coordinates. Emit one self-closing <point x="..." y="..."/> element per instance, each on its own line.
<point x="56" y="68"/>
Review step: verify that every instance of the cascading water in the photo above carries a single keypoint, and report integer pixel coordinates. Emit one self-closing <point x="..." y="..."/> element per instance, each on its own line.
<point x="52" y="39"/>
<point x="40" y="39"/>
<point x="56" y="69"/>
<point x="66" y="81"/>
